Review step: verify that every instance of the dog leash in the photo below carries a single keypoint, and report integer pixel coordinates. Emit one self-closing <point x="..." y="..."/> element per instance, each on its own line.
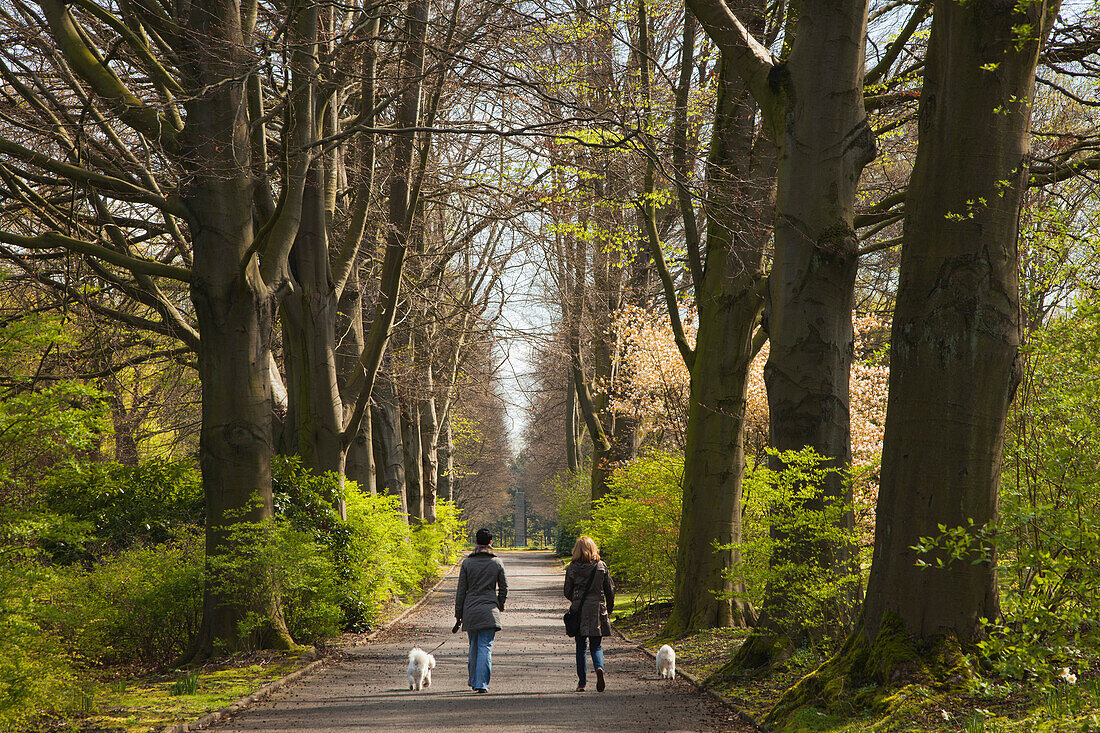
<point x="453" y="631"/>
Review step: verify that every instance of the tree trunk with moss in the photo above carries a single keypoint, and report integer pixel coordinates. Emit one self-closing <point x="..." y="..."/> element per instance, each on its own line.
<point x="234" y="307"/>
<point x="739" y="210"/>
<point x="955" y="338"/>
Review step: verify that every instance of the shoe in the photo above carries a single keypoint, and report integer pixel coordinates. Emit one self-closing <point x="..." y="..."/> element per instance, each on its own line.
<point x="481" y="689"/>
<point x="600" y="684"/>
<point x="580" y="688"/>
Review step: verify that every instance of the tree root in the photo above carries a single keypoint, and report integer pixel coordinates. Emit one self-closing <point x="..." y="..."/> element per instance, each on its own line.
<point x="872" y="675"/>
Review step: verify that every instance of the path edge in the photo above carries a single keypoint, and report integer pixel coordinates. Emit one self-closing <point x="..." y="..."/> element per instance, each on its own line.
<point x="697" y="683"/>
<point x="246" y="702"/>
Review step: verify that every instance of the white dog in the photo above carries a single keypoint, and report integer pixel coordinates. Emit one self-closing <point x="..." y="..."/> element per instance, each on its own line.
<point x="666" y="662"/>
<point x="421" y="665"/>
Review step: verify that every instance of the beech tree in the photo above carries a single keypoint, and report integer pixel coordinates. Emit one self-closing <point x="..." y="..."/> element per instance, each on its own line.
<point x="727" y="275"/>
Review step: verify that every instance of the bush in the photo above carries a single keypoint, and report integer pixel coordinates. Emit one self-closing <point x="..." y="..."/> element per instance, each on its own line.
<point x="35" y="671"/>
<point x="142" y="605"/>
<point x="438" y="542"/>
<point x="637" y="525"/>
<point x="374" y="554"/>
<point x="37" y="674"/>
<point x="125" y="505"/>
<point x="1047" y="537"/>
<point x="783" y="517"/>
<point x="571" y="492"/>
<point x="273" y="560"/>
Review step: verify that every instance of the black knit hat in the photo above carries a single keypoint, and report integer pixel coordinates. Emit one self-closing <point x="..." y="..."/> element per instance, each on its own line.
<point x="483" y="537"/>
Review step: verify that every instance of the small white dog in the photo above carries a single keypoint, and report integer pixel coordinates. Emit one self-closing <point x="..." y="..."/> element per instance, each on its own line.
<point x="666" y="662"/>
<point x="421" y="665"/>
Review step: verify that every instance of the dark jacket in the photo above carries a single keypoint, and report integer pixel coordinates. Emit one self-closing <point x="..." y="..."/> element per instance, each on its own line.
<point x="482" y="589"/>
<point x="595" y="619"/>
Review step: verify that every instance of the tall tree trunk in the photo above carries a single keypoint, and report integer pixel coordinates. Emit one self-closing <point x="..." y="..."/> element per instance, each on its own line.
<point x="824" y="146"/>
<point x="739" y="208"/>
<point x="125" y="429"/>
<point x="359" y="465"/>
<point x="389" y="456"/>
<point x="410" y="443"/>
<point x="956" y="332"/>
<point x="429" y="445"/>
<point x="572" y="437"/>
<point x="813" y="103"/>
<point x="233" y="306"/>
<point x="446" y="481"/>
<point x="315" y="416"/>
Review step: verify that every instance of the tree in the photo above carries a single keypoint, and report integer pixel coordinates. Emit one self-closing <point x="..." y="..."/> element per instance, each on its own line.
<point x="728" y="278"/>
<point x="955" y="338"/>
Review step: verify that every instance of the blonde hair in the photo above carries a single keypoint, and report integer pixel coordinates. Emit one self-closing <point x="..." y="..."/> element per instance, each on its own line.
<point x="586" y="550"/>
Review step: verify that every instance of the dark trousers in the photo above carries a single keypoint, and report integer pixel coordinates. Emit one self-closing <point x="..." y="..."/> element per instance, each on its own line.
<point x="594" y="643"/>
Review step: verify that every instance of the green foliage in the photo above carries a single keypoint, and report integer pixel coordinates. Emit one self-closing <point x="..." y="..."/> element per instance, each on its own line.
<point x="36" y="673"/>
<point x="44" y="427"/>
<point x="1049" y="529"/>
<point x="142" y="605"/>
<point x="1046" y="538"/>
<point x="374" y="555"/>
<point x="125" y="505"/>
<point x="391" y="558"/>
<point x="571" y="492"/>
<point x="274" y="560"/>
<point x="187" y="684"/>
<point x="786" y="522"/>
<point x="439" y="541"/>
<point x="637" y="524"/>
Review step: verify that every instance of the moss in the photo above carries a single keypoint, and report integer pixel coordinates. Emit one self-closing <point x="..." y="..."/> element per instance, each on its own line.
<point x="137" y="705"/>
<point x="760" y="653"/>
<point x="882" y="676"/>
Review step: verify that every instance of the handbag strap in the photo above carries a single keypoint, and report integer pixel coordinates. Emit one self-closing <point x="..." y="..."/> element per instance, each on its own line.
<point x="589" y="586"/>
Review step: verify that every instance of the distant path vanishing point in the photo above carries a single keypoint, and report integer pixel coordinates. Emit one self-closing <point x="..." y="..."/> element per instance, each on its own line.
<point x="532" y="687"/>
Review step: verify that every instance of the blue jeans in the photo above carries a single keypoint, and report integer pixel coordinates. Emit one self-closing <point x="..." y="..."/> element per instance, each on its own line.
<point x="480" y="663"/>
<point x="597" y="655"/>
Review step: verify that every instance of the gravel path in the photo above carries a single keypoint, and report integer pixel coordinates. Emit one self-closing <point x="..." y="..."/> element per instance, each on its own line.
<point x="532" y="684"/>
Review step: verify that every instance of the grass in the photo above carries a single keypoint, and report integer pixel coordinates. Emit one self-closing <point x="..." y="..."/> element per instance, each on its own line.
<point x="993" y="706"/>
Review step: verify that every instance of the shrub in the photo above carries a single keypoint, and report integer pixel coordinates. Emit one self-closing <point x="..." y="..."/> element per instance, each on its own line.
<point x="1046" y="537"/>
<point x="37" y="674"/>
<point x="273" y="560"/>
<point x="637" y="525"/>
<point x="142" y="605"/>
<point x="374" y="554"/>
<point x="783" y="516"/>
<point x="439" y="541"/>
<point x="125" y="505"/>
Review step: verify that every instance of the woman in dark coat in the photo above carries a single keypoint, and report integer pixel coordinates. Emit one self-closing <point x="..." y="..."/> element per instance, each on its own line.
<point x="598" y="604"/>
<point x="482" y="590"/>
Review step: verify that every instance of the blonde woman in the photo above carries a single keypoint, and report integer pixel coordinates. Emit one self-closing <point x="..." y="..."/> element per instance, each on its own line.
<point x="595" y="619"/>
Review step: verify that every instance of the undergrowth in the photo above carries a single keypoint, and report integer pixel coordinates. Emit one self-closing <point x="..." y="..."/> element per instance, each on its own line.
<point x="1060" y="704"/>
